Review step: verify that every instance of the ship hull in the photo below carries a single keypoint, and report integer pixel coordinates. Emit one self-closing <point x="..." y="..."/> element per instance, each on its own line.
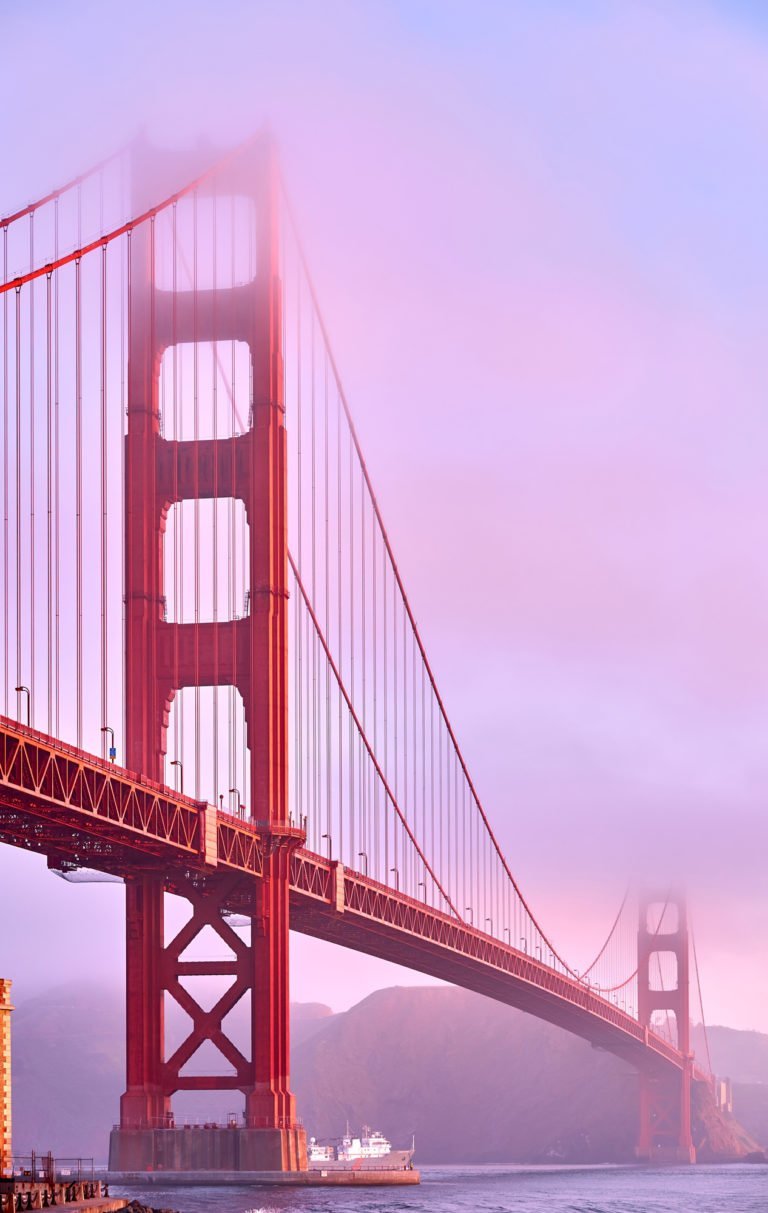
<point x="396" y="1160"/>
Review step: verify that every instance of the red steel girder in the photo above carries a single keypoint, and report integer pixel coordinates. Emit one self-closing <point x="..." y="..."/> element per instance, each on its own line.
<point x="326" y="901"/>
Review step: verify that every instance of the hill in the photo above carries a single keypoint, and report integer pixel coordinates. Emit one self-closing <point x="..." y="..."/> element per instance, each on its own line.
<point x="474" y="1080"/>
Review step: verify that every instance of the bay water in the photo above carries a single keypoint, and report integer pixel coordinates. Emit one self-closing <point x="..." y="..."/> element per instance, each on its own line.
<point x="460" y="1189"/>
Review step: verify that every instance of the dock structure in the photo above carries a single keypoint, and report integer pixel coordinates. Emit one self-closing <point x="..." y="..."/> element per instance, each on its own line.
<point x="6" y="1152"/>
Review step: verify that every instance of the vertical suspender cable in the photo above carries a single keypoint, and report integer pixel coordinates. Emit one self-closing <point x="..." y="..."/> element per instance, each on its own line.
<point x="395" y="724"/>
<point x="104" y="501"/>
<point x="215" y="511"/>
<point x="79" y="491"/>
<point x="432" y="828"/>
<point x="231" y="758"/>
<point x="376" y="827"/>
<point x="327" y="588"/>
<point x="363" y="662"/>
<point x="19" y="670"/>
<point x="354" y="846"/>
<point x="125" y="321"/>
<point x="32" y="558"/>
<point x="196" y="503"/>
<point x="79" y="465"/>
<point x="49" y="492"/>
<point x="57" y="491"/>
<point x="339" y="626"/>
<point x="177" y="715"/>
<point x="299" y="741"/>
<point x="313" y="553"/>
<point x="425" y="839"/>
<point x="406" y="853"/>
<point x="385" y="671"/>
<point x="6" y="671"/>
<point x="414" y="792"/>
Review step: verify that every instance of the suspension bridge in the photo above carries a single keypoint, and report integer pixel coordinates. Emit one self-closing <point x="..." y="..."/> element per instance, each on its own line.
<point x="195" y="572"/>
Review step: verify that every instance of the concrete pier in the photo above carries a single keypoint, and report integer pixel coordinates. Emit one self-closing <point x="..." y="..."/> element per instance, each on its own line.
<point x="283" y="1179"/>
<point x="212" y="1148"/>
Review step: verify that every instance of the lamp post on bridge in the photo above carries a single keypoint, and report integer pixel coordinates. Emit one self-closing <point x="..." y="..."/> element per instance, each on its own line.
<point x="105" y="728"/>
<point x="29" y="703"/>
<point x="470" y="911"/>
<point x="236" y="792"/>
<point x="397" y="878"/>
<point x="364" y="856"/>
<point x="330" y="845"/>
<point x="175" y="762"/>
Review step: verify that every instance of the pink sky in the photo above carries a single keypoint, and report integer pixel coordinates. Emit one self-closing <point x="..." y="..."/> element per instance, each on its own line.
<point x="539" y="236"/>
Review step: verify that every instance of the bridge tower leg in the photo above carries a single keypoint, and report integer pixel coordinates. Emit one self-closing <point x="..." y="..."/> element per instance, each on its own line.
<point x="251" y="652"/>
<point x="665" y="1100"/>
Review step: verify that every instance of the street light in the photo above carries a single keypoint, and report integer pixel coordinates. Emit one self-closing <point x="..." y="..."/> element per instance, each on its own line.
<point x="397" y="878"/>
<point x="105" y="728"/>
<point x="364" y="856"/>
<point x="508" y="934"/>
<point x="235" y="792"/>
<point x="330" y="845"/>
<point x="524" y="942"/>
<point x="29" y="702"/>
<point x="470" y="911"/>
<point x="175" y="762"/>
<point x="490" y="920"/>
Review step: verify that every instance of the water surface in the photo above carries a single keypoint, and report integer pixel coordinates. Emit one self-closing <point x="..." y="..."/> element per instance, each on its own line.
<point x="701" y="1189"/>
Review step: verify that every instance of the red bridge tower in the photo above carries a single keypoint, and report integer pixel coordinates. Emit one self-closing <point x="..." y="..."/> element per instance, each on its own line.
<point x="665" y="1102"/>
<point x="161" y="658"/>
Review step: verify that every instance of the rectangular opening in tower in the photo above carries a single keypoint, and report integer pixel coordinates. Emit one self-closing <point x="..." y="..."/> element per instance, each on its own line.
<point x="662" y="971"/>
<point x="206" y="241"/>
<point x="662" y="917"/>
<point x="206" y="561"/>
<point x="205" y="390"/>
<point x="207" y="754"/>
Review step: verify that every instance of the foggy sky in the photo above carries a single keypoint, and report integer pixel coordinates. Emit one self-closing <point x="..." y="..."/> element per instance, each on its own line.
<point x="538" y="234"/>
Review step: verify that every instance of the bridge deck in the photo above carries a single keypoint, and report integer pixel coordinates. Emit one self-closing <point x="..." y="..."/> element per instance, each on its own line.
<point x="81" y="811"/>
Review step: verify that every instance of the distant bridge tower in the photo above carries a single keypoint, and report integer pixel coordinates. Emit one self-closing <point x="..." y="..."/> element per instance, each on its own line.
<point x="163" y="657"/>
<point x="6" y="1153"/>
<point x="665" y="1102"/>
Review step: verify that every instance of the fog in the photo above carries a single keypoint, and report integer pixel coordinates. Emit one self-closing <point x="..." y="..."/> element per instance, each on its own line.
<point x="538" y="234"/>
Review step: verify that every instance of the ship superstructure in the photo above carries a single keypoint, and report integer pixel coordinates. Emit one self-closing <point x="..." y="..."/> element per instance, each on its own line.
<point x="370" y="1151"/>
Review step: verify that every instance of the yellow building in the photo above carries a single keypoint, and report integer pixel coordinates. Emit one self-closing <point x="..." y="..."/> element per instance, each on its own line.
<point x="5" y="1077"/>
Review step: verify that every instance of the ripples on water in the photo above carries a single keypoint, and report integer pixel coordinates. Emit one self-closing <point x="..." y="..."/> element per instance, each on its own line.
<point x="735" y="1189"/>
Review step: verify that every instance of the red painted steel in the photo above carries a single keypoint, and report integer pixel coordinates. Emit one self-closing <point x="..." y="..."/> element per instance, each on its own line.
<point x="665" y="1099"/>
<point x="162" y="657"/>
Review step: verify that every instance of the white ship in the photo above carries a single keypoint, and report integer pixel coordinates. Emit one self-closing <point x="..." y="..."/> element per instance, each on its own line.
<point x="371" y="1151"/>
